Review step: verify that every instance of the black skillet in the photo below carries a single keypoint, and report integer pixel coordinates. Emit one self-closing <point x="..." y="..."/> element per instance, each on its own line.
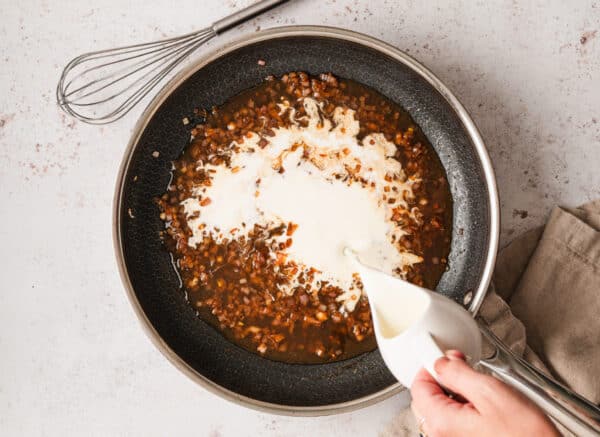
<point x="152" y="283"/>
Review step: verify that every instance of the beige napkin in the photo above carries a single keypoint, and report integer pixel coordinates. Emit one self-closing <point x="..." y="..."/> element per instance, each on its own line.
<point x="545" y="302"/>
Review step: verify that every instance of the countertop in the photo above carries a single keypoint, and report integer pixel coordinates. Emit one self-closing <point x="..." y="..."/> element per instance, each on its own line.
<point x="73" y="358"/>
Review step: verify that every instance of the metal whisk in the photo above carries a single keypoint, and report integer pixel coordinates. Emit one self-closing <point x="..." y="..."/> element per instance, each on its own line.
<point x="101" y="87"/>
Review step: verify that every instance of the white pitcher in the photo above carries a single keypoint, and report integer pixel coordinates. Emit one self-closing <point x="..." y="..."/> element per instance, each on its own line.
<point x="414" y="326"/>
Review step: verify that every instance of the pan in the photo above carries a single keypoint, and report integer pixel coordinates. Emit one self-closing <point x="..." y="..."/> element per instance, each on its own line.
<point x="146" y="267"/>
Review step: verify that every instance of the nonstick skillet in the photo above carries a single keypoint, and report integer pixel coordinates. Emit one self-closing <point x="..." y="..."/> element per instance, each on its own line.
<point x="194" y="347"/>
<point x="147" y="270"/>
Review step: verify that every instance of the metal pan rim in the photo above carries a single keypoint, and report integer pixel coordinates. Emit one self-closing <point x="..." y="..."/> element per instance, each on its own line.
<point x="283" y="32"/>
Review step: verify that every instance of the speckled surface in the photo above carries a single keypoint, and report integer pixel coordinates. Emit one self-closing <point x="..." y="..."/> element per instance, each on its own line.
<point x="74" y="359"/>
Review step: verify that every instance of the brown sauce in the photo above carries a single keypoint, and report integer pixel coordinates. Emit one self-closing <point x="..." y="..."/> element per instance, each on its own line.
<point x="233" y="284"/>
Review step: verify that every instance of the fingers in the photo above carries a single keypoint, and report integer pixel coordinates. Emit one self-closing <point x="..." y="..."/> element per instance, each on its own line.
<point x="427" y="394"/>
<point x="431" y="404"/>
<point x="455" y="374"/>
<point x="426" y="389"/>
<point x="453" y="353"/>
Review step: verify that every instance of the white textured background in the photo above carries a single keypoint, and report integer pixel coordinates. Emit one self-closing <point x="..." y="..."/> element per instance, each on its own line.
<point x="73" y="358"/>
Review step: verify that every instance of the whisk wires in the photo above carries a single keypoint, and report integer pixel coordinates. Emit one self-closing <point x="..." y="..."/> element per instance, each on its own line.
<point x="103" y="86"/>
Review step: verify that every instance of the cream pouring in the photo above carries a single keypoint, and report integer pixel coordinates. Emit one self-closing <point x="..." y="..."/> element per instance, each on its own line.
<point x="337" y="189"/>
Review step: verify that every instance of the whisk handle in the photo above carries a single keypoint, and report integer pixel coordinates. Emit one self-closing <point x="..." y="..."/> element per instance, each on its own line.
<point x="245" y="14"/>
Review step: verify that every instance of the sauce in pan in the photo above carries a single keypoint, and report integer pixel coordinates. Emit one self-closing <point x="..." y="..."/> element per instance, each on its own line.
<point x="272" y="187"/>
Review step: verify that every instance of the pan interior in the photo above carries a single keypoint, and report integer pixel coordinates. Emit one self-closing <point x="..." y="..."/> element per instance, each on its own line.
<point x="151" y="273"/>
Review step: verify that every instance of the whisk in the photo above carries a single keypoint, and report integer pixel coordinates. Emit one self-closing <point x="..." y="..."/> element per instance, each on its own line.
<point x="102" y="86"/>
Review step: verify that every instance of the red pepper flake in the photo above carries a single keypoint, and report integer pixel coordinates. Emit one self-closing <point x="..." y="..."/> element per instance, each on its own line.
<point x="205" y="201"/>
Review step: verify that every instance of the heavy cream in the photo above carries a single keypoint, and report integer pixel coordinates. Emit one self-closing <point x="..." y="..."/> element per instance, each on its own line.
<point x="340" y="191"/>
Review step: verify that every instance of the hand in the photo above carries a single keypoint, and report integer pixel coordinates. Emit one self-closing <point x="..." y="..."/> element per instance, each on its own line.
<point x="484" y="406"/>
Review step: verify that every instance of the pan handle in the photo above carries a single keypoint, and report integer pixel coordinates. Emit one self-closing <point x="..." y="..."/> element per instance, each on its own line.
<point x="574" y="412"/>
